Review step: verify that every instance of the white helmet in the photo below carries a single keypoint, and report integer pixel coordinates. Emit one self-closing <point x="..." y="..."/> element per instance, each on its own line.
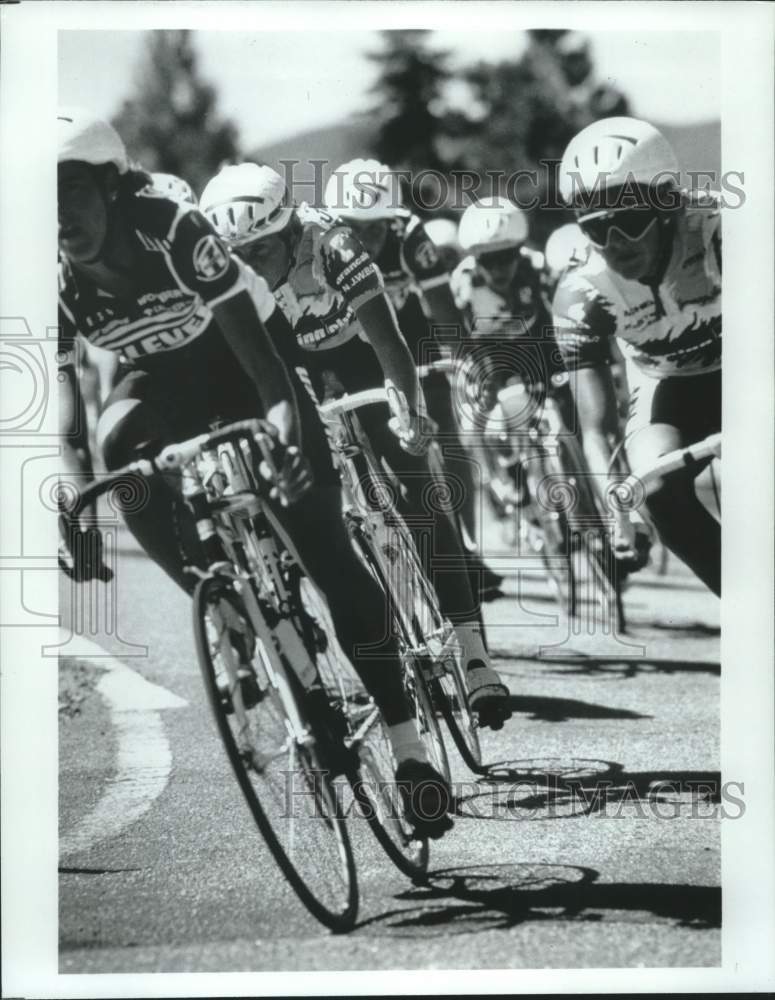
<point x="246" y="202"/>
<point x="615" y="152"/>
<point x="174" y="187"/>
<point x="564" y="246"/>
<point x="363" y="190"/>
<point x="492" y="224"/>
<point x="443" y="232"/>
<point x="84" y="137"/>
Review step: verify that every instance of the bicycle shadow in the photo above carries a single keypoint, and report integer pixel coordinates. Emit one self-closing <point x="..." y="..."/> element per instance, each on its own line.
<point x="624" y="668"/>
<point x="541" y="788"/>
<point x="498" y="897"/>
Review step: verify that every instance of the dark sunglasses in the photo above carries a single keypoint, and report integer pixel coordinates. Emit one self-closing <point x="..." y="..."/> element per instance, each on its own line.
<point x="497" y="258"/>
<point x="631" y="223"/>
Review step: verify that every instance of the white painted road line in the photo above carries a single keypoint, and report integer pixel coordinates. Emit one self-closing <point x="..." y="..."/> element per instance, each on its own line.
<point x="144" y="758"/>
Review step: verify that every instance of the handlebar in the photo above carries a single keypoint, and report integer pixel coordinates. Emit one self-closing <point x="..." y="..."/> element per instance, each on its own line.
<point x="353" y="401"/>
<point x="174" y="457"/>
<point x="673" y="461"/>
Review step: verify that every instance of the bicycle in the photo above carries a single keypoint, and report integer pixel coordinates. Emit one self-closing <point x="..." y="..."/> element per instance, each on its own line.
<point x="291" y="715"/>
<point x="434" y="679"/>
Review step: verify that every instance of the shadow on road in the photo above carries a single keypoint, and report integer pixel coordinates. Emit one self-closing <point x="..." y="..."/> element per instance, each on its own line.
<point x="544" y="709"/>
<point x="490" y="897"/>
<point x="544" y="789"/>
<point x="621" y="669"/>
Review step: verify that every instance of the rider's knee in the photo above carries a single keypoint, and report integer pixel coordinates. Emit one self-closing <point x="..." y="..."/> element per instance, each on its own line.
<point x="119" y="431"/>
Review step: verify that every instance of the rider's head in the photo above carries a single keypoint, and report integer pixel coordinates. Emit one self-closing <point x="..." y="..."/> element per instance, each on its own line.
<point x="622" y="178"/>
<point x="91" y="159"/>
<point x="493" y="230"/>
<point x="366" y="195"/>
<point x="250" y="209"/>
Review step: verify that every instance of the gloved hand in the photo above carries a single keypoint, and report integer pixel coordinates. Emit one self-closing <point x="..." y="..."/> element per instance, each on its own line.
<point x="415" y="432"/>
<point x="80" y="552"/>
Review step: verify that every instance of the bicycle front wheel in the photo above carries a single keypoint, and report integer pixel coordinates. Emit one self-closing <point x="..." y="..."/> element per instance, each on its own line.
<point x="272" y="749"/>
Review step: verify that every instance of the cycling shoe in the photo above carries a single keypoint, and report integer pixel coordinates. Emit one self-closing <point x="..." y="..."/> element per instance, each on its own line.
<point x="426" y="796"/>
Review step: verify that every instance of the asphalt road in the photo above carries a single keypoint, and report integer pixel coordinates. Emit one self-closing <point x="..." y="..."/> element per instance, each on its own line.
<point x="625" y="873"/>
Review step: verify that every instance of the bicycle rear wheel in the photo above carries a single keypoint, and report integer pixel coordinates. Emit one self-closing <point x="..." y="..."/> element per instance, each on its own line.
<point x="271" y="746"/>
<point x="383" y="560"/>
<point x="450" y="693"/>
<point x="372" y="767"/>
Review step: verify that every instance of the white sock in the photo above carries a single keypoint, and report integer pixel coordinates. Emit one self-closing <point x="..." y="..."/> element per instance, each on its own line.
<point x="406" y="742"/>
<point x="469" y="635"/>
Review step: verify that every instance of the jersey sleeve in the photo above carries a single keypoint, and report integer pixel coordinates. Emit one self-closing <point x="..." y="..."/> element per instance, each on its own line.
<point x="201" y="261"/>
<point x="348" y="268"/>
<point x="421" y="257"/>
<point x="584" y="322"/>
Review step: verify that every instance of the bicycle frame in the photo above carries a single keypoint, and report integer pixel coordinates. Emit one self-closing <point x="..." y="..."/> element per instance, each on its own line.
<point x="378" y="519"/>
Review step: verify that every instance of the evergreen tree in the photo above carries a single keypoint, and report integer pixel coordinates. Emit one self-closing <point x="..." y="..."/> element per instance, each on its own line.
<point x="408" y="88"/>
<point x="172" y="124"/>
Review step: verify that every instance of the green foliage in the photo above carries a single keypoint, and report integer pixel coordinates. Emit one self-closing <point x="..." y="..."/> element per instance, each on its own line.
<point x="171" y="124"/>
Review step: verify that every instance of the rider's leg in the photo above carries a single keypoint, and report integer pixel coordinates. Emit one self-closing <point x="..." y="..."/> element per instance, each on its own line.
<point x="461" y="467"/>
<point x="160" y="521"/>
<point x="681" y="411"/>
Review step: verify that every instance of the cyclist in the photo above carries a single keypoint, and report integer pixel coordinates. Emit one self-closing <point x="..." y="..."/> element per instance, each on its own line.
<point x="652" y="279"/>
<point x="148" y="278"/>
<point x="503" y="286"/>
<point x="366" y="195"/>
<point x="346" y="339"/>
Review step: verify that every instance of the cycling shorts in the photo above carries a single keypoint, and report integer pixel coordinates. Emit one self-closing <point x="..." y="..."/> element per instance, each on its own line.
<point x="690" y="403"/>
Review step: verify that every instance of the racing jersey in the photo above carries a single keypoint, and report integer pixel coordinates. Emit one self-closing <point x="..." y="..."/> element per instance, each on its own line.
<point x="332" y="276"/>
<point x="521" y="316"/>
<point x="664" y="330"/>
<point x="409" y="260"/>
<point x="183" y="270"/>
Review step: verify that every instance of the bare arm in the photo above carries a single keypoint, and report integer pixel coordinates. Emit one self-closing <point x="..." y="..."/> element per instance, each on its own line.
<point x="378" y="320"/>
<point x="444" y="311"/>
<point x="593" y="390"/>
<point x="248" y="338"/>
<point x="76" y="457"/>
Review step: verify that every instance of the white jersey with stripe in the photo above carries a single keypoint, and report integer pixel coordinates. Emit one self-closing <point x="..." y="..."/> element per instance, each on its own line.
<point x="668" y="329"/>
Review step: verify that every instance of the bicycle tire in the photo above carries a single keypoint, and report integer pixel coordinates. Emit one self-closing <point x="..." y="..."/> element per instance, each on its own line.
<point x="590" y="536"/>
<point x="548" y="530"/>
<point x="288" y="853"/>
<point x="450" y="693"/>
<point x="371" y="772"/>
<point x="415" y="686"/>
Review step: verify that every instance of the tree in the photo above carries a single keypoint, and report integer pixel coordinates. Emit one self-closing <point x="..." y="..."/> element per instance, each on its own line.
<point x="532" y="108"/>
<point x="409" y="88"/>
<point x="172" y="123"/>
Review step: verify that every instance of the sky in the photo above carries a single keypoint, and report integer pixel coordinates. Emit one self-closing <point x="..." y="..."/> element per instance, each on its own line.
<point x="274" y="84"/>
